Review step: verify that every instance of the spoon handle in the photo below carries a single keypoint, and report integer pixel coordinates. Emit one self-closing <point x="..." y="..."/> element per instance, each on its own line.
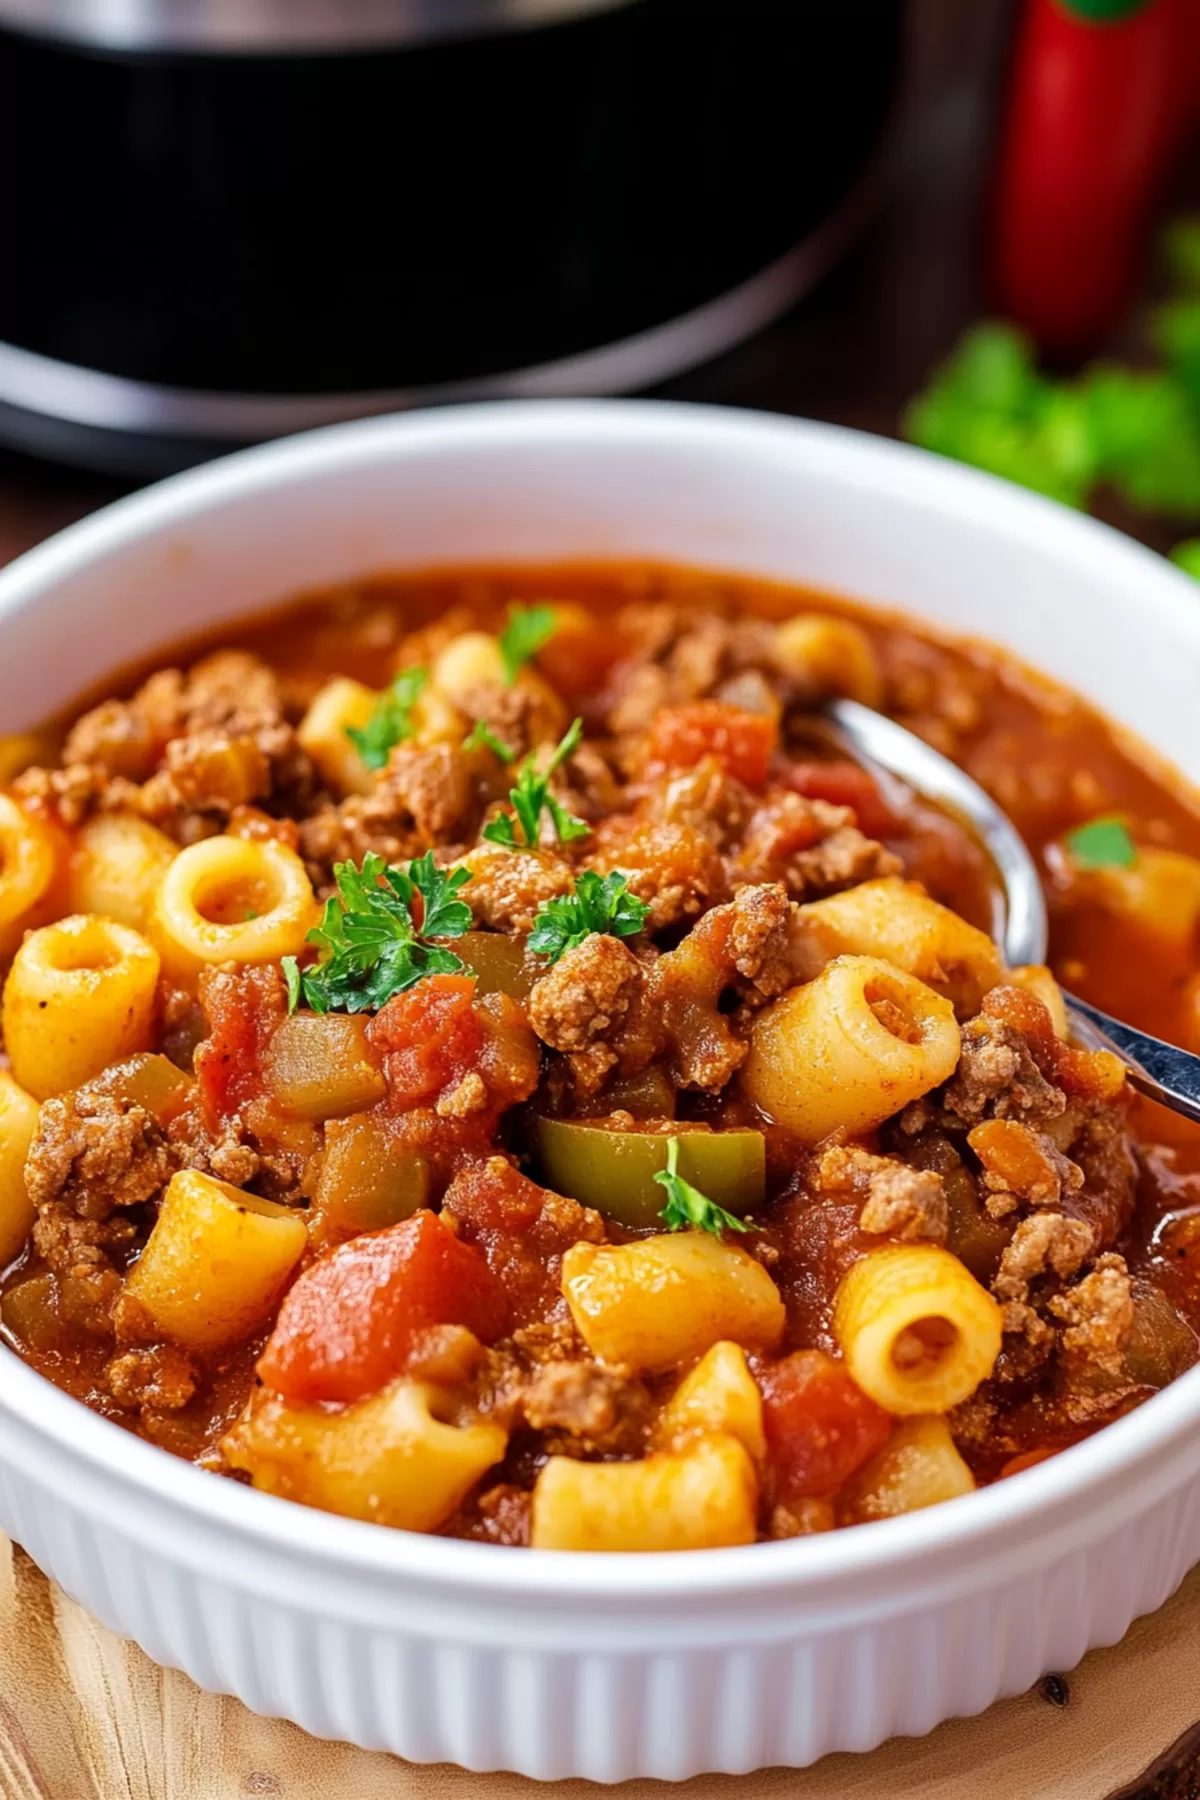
<point x="1160" y="1071"/>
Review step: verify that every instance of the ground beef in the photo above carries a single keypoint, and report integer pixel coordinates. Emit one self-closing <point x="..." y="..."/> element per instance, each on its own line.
<point x="1020" y="1165"/>
<point x="422" y="798"/>
<point x="759" y="944"/>
<point x="1044" y="1243"/>
<point x="94" y="1158"/>
<point x="210" y="771"/>
<point x="508" y="886"/>
<point x="95" y="1154"/>
<point x="706" y="798"/>
<point x="542" y="1379"/>
<point x="1098" y="1315"/>
<point x="184" y="749"/>
<point x="674" y="869"/>
<point x="584" y="1000"/>
<point x="116" y="737"/>
<point x="160" y="1379"/>
<point x="67" y="795"/>
<point x="745" y="949"/>
<point x="897" y="1201"/>
<point x="997" y="1077"/>
<point x="501" y="1515"/>
<point x="810" y="846"/>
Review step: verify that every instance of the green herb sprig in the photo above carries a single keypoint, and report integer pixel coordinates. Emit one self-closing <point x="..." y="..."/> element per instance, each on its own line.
<point x="371" y="947"/>
<point x="599" y="904"/>
<point x="1101" y="844"/>
<point x="531" y="797"/>
<point x="528" y="628"/>
<point x="687" y="1208"/>
<point x="391" y="721"/>
<point x="482" y="737"/>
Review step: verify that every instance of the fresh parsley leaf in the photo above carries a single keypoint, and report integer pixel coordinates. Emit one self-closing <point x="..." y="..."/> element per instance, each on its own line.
<point x="391" y="721"/>
<point x="1145" y="438"/>
<point x="370" y="946"/>
<point x="291" y="974"/>
<point x="1101" y="844"/>
<point x="599" y="904"/>
<point x="528" y="628"/>
<point x="989" y="406"/>
<point x="687" y="1208"/>
<point x="482" y="737"/>
<point x="1187" y="555"/>
<point x="531" y="797"/>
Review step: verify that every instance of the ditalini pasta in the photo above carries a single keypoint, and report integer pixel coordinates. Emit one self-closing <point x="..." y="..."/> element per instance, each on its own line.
<point x="231" y="900"/>
<point x="477" y="1061"/>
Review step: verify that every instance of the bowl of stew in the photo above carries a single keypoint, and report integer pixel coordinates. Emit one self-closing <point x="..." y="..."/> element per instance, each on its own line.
<point x="536" y="1229"/>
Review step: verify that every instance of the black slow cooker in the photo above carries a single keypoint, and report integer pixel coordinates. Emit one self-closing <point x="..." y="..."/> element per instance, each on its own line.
<point x="227" y="219"/>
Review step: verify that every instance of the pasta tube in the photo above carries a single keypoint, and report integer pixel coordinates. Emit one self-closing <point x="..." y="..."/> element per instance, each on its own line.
<point x="918" y="1332"/>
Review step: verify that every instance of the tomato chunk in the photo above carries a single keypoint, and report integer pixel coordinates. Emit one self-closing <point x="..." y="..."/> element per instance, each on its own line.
<point x="522" y="1229"/>
<point x="844" y="784"/>
<point x="820" y="1425"/>
<point x="681" y="735"/>
<point x="243" y="1007"/>
<point x="347" y="1326"/>
<point x="429" y="1037"/>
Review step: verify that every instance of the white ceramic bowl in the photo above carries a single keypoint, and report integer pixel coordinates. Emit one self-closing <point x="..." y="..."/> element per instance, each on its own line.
<point x="537" y="1661"/>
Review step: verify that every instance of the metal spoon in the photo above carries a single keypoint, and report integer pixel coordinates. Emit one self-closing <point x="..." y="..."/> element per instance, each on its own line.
<point x="1164" y="1073"/>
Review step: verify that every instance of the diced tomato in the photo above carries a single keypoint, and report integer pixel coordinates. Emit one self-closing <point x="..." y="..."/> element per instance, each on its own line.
<point x="581" y="655"/>
<point x="820" y="1425"/>
<point x="429" y="1037"/>
<point x="348" y="1324"/>
<point x="243" y="1008"/>
<point x="844" y="784"/>
<point x="1087" y="1074"/>
<point x="744" y="741"/>
<point x="523" y="1230"/>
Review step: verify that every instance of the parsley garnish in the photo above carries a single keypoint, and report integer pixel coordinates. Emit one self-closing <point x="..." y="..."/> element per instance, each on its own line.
<point x="1102" y="844"/>
<point x="528" y="628"/>
<point x="531" y="797"/>
<point x="482" y="737"/>
<point x="598" y="904"/>
<point x="371" y="947"/>
<point x="1187" y="555"/>
<point x="391" y="721"/>
<point x="686" y="1206"/>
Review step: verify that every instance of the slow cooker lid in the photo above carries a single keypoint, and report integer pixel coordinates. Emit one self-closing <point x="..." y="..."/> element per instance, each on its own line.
<point x="246" y="26"/>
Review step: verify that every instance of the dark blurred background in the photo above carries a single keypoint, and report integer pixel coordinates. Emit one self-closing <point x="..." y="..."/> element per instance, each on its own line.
<point x="915" y="267"/>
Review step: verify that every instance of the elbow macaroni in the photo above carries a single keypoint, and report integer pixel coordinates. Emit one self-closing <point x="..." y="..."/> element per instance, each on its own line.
<point x="916" y="1329"/>
<point x="849" y="1049"/>
<point x="829" y="656"/>
<point x="216" y="1262"/>
<point x="230" y="899"/>
<point x="117" y="866"/>
<point x="388" y="1459"/>
<point x="18" y="1123"/>
<point x="341" y="705"/>
<point x="79" y="996"/>
<point x="700" y="1500"/>
<point x="895" y="921"/>
<point x="28" y="866"/>
<point x="918" y="1466"/>
<point x="1159" y="893"/>
<point x="718" y="1395"/>
<point x="663" y="1300"/>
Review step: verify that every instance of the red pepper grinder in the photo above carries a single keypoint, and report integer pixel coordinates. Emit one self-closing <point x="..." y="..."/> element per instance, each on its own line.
<point x="1103" y="94"/>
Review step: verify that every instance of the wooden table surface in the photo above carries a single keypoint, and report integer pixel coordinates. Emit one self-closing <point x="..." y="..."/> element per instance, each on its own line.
<point x="85" y="1717"/>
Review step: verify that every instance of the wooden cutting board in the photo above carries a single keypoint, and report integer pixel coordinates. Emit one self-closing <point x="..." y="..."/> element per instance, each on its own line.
<point x="84" y="1716"/>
